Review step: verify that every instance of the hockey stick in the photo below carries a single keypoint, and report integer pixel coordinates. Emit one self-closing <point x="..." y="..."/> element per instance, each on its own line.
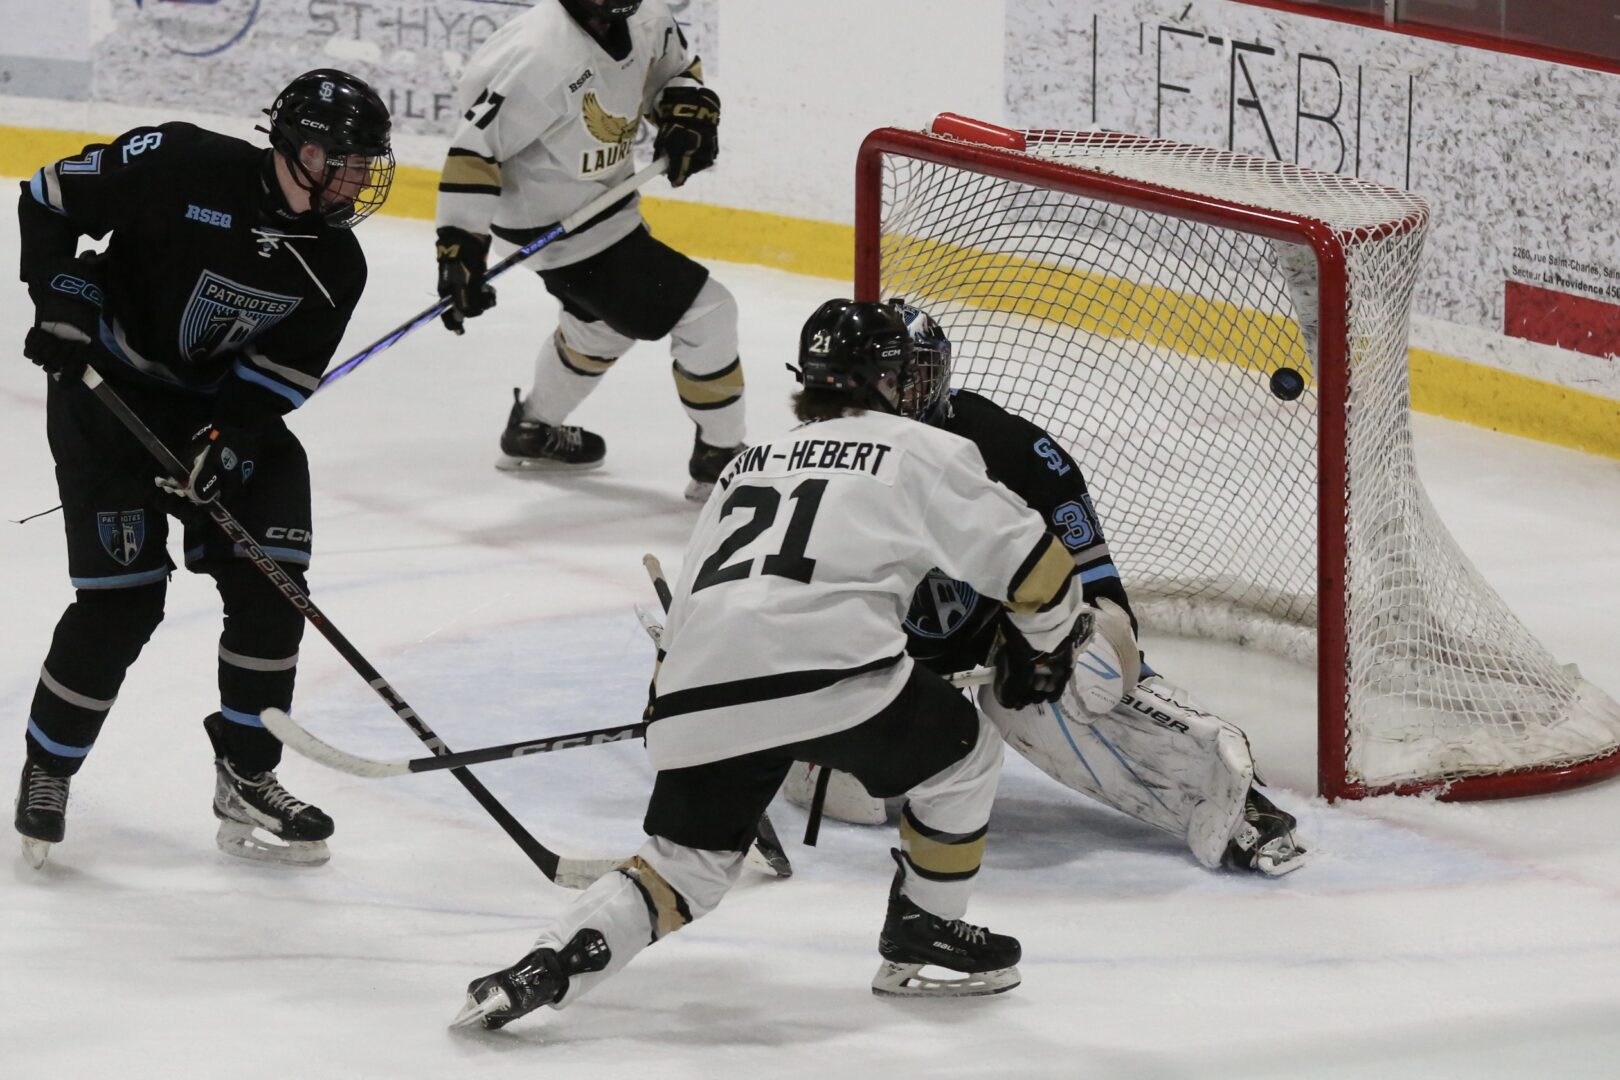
<point x="537" y="852"/>
<point x="573" y="221"/>
<point x="298" y="738"/>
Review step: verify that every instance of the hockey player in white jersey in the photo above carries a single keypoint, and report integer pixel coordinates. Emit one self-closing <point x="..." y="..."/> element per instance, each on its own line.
<point x="552" y="102"/>
<point x="1152" y="754"/>
<point x="785" y="642"/>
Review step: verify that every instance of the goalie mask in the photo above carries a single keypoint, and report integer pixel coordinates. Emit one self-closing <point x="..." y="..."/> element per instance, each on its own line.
<point x="860" y="348"/>
<point x="927" y="392"/>
<point x="345" y="118"/>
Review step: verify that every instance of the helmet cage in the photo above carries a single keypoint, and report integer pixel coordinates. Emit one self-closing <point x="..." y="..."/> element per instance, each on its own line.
<point x="929" y="386"/>
<point x="343" y="117"/>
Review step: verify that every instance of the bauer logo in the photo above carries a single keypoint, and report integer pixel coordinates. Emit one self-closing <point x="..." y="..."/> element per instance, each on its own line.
<point x="122" y="533"/>
<point x="223" y="315"/>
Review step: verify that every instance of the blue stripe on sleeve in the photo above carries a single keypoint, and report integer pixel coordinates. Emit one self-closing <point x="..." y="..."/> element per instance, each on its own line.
<point x="258" y="378"/>
<point x="1097" y="573"/>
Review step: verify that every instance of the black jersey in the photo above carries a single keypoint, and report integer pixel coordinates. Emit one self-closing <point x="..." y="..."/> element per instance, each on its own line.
<point x="950" y="627"/>
<point x="211" y="285"/>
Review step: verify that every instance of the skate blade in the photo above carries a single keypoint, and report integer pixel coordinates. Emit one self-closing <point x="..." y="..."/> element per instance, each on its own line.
<point x="906" y="980"/>
<point x="478" y="1012"/>
<point x="243" y="841"/>
<point x="35" y="851"/>
<point x="507" y="463"/>
<point x="773" y="861"/>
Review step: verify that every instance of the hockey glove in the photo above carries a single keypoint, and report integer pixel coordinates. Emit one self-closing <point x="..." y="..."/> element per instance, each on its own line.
<point x="221" y="462"/>
<point x="688" y="131"/>
<point x="1025" y="677"/>
<point x="462" y="265"/>
<point x="67" y="322"/>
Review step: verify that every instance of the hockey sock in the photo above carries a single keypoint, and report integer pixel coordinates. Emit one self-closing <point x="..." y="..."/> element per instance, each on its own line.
<point x="258" y="662"/>
<point x="97" y="639"/>
<point x="708" y="374"/>
<point x="571" y="364"/>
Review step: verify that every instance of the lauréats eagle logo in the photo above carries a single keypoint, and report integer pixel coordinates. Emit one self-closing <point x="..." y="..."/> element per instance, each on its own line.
<point x="199" y="28"/>
<point x="617" y="132"/>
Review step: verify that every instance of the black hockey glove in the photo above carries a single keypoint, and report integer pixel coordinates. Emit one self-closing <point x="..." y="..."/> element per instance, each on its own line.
<point x="67" y="322"/>
<point x="221" y="462"/>
<point x="1025" y="677"/>
<point x="462" y="265"/>
<point x="688" y="131"/>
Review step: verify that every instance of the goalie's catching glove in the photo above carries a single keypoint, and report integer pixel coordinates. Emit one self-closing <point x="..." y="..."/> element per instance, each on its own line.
<point x="1025" y="677"/>
<point x="221" y="462"/>
<point x="463" y="262"/>
<point x="688" y="131"/>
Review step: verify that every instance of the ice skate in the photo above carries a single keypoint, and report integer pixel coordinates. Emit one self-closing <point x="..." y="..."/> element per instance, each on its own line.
<point x="41" y="812"/>
<point x="261" y="820"/>
<point x="705" y="466"/>
<point x="766" y="853"/>
<point x="1264" y="841"/>
<point x="913" y="938"/>
<point x="540" y="978"/>
<point x="530" y="445"/>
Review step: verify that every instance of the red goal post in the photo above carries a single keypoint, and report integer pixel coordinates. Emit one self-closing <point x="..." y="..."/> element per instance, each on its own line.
<point x="1085" y="274"/>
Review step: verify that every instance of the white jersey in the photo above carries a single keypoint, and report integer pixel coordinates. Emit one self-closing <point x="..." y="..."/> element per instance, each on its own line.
<point x="548" y="120"/>
<point x="787" y="619"/>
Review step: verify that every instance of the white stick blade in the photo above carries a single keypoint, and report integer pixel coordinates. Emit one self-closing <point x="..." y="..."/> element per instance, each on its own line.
<point x="317" y="750"/>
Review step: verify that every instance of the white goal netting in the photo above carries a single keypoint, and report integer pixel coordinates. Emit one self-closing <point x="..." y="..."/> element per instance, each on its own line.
<point x="1142" y="327"/>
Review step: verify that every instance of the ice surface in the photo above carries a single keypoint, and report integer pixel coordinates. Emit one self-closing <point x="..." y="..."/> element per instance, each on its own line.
<point x="1426" y="940"/>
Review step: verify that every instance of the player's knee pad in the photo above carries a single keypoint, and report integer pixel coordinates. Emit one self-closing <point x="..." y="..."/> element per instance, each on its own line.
<point x="259" y="620"/>
<point x="592" y="345"/>
<point x="957" y="799"/>
<point x="679" y="883"/>
<point x="118" y="622"/>
<point x="704" y="339"/>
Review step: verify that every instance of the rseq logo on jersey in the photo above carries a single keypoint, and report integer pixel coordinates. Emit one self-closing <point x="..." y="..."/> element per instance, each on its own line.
<point x="123" y="533"/>
<point x="222" y="315"/>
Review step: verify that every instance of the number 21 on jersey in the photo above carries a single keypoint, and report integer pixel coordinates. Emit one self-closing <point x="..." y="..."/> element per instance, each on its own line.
<point x="763" y="504"/>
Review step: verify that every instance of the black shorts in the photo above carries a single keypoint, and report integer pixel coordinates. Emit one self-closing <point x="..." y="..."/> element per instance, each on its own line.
<point x="640" y="287"/>
<point x="716" y="806"/>
<point x="117" y="520"/>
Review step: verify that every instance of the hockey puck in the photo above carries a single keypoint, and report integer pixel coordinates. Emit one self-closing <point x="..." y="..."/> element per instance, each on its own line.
<point x="1287" y="384"/>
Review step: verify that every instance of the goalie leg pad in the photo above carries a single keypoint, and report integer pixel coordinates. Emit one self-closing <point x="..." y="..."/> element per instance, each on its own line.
<point x="1153" y="756"/>
<point x="847" y="799"/>
<point x="1108" y="666"/>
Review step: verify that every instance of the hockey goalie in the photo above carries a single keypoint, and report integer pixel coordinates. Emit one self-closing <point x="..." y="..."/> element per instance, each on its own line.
<point x="1155" y="755"/>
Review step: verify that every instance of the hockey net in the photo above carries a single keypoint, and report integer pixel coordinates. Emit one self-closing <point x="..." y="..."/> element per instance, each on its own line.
<point x="1135" y="297"/>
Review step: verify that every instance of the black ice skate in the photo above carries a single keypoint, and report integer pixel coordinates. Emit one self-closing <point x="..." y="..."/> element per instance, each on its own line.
<point x="251" y="805"/>
<point x="766" y="854"/>
<point x="41" y="812"/>
<point x="540" y="978"/>
<point x="913" y="938"/>
<point x="533" y="446"/>
<point x="1264" y="841"/>
<point x="705" y="466"/>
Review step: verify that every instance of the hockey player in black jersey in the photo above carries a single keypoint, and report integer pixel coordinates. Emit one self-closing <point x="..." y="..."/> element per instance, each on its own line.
<point x="1155" y="756"/>
<point x="228" y="278"/>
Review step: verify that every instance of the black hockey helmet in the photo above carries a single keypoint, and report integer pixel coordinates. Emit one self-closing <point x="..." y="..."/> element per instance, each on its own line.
<point x="927" y="392"/>
<point x="857" y="347"/>
<point x="607" y="10"/>
<point x="343" y="116"/>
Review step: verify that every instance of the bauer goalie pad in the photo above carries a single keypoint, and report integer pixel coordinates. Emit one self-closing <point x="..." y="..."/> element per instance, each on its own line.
<point x="1153" y="756"/>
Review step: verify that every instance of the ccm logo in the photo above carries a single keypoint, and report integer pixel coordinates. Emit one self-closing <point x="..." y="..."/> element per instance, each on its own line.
<point x="281" y="532"/>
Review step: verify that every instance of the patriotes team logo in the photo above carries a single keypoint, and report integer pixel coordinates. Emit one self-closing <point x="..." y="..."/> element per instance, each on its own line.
<point x="617" y="131"/>
<point x="122" y="533"/>
<point x="223" y="315"/>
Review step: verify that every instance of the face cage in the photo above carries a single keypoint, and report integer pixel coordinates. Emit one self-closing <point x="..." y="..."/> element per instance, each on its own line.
<point x="367" y="201"/>
<point x="927" y="384"/>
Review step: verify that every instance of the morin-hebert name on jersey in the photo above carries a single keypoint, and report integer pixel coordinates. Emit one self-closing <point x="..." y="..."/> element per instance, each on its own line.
<point x="850" y="455"/>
